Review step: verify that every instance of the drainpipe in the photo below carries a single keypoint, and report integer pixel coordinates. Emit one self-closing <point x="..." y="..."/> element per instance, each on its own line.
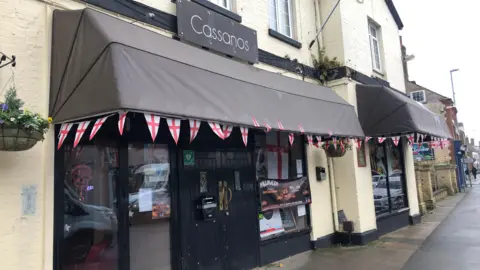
<point x="333" y="194"/>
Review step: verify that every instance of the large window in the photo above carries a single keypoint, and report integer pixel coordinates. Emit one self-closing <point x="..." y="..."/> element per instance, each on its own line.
<point x="388" y="178"/>
<point x="284" y="190"/>
<point x="280" y="16"/>
<point x="375" y="47"/>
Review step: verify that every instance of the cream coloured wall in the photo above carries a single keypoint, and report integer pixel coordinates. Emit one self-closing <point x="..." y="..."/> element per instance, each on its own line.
<point x="411" y="179"/>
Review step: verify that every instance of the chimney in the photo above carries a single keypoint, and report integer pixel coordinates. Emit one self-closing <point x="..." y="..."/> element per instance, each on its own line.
<point x="472" y="141"/>
<point x="404" y="61"/>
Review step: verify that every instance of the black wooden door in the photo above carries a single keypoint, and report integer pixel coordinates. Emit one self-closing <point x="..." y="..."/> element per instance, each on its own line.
<point x="230" y="241"/>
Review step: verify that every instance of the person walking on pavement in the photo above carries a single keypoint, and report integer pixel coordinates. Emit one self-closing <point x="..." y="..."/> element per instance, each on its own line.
<point x="474" y="173"/>
<point x="467" y="172"/>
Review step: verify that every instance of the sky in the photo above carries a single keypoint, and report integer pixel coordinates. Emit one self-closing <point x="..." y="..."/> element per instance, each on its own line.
<point x="445" y="35"/>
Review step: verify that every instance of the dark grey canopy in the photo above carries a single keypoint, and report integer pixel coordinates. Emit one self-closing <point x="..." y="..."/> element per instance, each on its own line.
<point x="384" y="111"/>
<point x="101" y="64"/>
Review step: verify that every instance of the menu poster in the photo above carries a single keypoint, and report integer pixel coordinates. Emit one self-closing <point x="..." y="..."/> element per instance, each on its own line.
<point x="279" y="193"/>
<point x="145" y="200"/>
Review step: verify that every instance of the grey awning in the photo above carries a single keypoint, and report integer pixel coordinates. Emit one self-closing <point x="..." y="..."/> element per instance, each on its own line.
<point x="384" y="111"/>
<point x="101" y="64"/>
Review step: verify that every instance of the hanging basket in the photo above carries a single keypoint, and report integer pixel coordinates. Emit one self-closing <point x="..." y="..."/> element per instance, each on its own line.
<point x="15" y="138"/>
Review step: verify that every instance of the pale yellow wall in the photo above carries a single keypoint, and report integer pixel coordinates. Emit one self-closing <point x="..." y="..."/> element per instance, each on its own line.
<point x="410" y="179"/>
<point x="321" y="217"/>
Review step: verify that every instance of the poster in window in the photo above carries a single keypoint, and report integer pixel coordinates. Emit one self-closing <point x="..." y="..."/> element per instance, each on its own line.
<point x="277" y="164"/>
<point x="361" y="156"/>
<point x="270" y="223"/>
<point x="280" y="193"/>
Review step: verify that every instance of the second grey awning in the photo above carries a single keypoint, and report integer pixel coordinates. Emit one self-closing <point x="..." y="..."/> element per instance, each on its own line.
<point x="383" y="111"/>
<point x="101" y="64"/>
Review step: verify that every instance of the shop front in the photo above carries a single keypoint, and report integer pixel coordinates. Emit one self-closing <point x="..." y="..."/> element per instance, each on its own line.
<point x="171" y="157"/>
<point x="393" y="123"/>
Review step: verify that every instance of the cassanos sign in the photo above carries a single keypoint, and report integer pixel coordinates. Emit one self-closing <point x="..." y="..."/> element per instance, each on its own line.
<point x="199" y="25"/>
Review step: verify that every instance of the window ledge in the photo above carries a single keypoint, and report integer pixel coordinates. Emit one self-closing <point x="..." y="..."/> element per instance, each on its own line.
<point x="378" y="72"/>
<point x="284" y="38"/>
<point x="225" y="12"/>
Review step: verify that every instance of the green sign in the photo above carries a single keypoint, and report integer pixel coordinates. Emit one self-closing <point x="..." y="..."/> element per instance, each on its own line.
<point x="188" y="158"/>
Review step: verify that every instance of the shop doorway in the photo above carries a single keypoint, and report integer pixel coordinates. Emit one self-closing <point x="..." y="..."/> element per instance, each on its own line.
<point x="228" y="239"/>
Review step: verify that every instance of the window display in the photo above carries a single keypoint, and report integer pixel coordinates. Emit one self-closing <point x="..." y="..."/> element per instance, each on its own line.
<point x="388" y="179"/>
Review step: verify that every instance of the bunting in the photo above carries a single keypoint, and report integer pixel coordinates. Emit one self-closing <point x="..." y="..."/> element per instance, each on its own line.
<point x="359" y="143"/>
<point x="381" y="139"/>
<point x="422" y="136"/>
<point x="227" y="130"/>
<point x="310" y="140"/>
<point x="411" y="138"/>
<point x="174" y="127"/>
<point x="280" y="126"/>
<point x="194" y="127"/>
<point x="291" y="137"/>
<point x="268" y="127"/>
<point x="244" y="131"/>
<point x="255" y="122"/>
<point x="319" y="141"/>
<point x="301" y="129"/>
<point x="81" y="128"/>
<point x="217" y="129"/>
<point x="396" y="140"/>
<point x="96" y="127"/>
<point x="122" y="115"/>
<point x="153" y="122"/>
<point x="367" y="139"/>
<point x="64" y="129"/>
<point x="334" y="140"/>
<point x="342" y="146"/>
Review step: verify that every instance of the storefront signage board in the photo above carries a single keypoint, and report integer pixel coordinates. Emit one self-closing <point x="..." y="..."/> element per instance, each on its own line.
<point x="188" y="158"/>
<point x="423" y="151"/>
<point x="204" y="27"/>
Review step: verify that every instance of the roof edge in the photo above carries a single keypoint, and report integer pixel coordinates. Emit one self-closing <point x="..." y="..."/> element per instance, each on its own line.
<point x="394" y="12"/>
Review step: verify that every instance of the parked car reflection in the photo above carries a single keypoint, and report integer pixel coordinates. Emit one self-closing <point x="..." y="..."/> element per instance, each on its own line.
<point x="380" y="193"/>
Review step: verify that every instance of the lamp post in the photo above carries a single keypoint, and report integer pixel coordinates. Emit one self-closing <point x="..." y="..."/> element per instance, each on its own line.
<point x="453" y="88"/>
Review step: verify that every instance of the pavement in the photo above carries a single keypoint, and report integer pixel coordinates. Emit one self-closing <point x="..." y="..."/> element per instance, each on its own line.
<point x="447" y="238"/>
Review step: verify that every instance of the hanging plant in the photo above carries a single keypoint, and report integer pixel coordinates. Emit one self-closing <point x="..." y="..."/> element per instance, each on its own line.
<point x="325" y="66"/>
<point x="20" y="129"/>
<point x="337" y="151"/>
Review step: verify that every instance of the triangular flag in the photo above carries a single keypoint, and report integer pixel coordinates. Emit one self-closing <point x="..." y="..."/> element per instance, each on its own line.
<point x="359" y="143"/>
<point x="330" y="133"/>
<point x="396" y="140"/>
<point x="227" y="130"/>
<point x="291" y="137"/>
<point x="216" y="129"/>
<point x="96" y="127"/>
<point x="122" y="115"/>
<point x="334" y="140"/>
<point x="153" y="122"/>
<point x="422" y="137"/>
<point x="310" y="140"/>
<point x="268" y="127"/>
<point x="367" y="139"/>
<point x="381" y="139"/>
<point x="64" y="129"/>
<point x="418" y="137"/>
<point x="174" y="127"/>
<point x="301" y="129"/>
<point x="244" y="131"/>
<point x="81" y="128"/>
<point x="411" y="138"/>
<point x="342" y="146"/>
<point x="255" y="122"/>
<point x="280" y="126"/>
<point x="194" y="127"/>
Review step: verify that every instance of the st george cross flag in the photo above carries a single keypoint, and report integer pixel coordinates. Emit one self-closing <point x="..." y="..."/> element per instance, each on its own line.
<point x="174" y="127"/>
<point x="121" y="121"/>
<point x="396" y="140"/>
<point x="422" y="137"/>
<point x="244" y="132"/>
<point x="342" y="146"/>
<point x="96" y="127"/>
<point x="81" y="128"/>
<point x="301" y="129"/>
<point x="217" y="129"/>
<point x="381" y="139"/>
<point x="359" y="143"/>
<point x="227" y="130"/>
<point x="153" y="122"/>
<point x="367" y="139"/>
<point x="411" y="138"/>
<point x="310" y="140"/>
<point x="280" y="126"/>
<point x="334" y="140"/>
<point x="418" y="137"/>
<point x="194" y="127"/>
<point x="268" y="127"/>
<point x="255" y="122"/>
<point x="64" y="129"/>
<point x="319" y="141"/>
<point x="291" y="137"/>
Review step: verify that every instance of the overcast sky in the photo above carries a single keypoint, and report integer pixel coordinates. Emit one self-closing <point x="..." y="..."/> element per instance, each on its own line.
<point x="444" y="35"/>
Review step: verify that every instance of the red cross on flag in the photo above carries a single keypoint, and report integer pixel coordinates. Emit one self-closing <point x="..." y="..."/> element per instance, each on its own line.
<point x="96" y="127"/>
<point x="342" y="146"/>
<point x="153" y="122"/>
<point x="82" y="127"/>
<point x="121" y="121"/>
<point x="330" y="133"/>
<point x="396" y="140"/>
<point x="244" y="131"/>
<point x="174" y="127"/>
<point x="367" y="139"/>
<point x="334" y="140"/>
<point x="319" y="141"/>
<point x="310" y="140"/>
<point x="280" y="126"/>
<point x="227" y="130"/>
<point x="217" y="129"/>
<point x="301" y="129"/>
<point x="411" y="138"/>
<point x="359" y="143"/>
<point x="194" y="127"/>
<point x="64" y="129"/>
<point x="435" y="144"/>
<point x="291" y="137"/>
<point x="255" y="122"/>
<point x="381" y="139"/>
<point x="268" y="127"/>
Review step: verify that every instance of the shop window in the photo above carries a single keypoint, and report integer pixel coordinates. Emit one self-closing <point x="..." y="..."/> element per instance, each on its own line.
<point x="280" y="16"/>
<point x="388" y="178"/>
<point x="149" y="206"/>
<point x="283" y="187"/>
<point x="90" y="215"/>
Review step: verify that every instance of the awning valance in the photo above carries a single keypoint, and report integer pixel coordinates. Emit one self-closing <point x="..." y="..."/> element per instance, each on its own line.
<point x="101" y="64"/>
<point x="384" y="111"/>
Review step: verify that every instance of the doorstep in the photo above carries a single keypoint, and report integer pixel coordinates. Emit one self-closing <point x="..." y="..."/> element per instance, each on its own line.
<point x="397" y="246"/>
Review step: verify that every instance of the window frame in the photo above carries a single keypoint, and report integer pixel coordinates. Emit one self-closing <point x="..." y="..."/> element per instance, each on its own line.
<point x="277" y="16"/>
<point x="419" y="91"/>
<point x="377" y="39"/>
<point x="218" y="3"/>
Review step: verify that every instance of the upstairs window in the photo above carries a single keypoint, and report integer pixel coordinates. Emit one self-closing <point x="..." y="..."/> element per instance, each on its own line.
<point x="374" y="34"/>
<point x="280" y="16"/>
<point x="418" y="96"/>
<point x="223" y="3"/>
